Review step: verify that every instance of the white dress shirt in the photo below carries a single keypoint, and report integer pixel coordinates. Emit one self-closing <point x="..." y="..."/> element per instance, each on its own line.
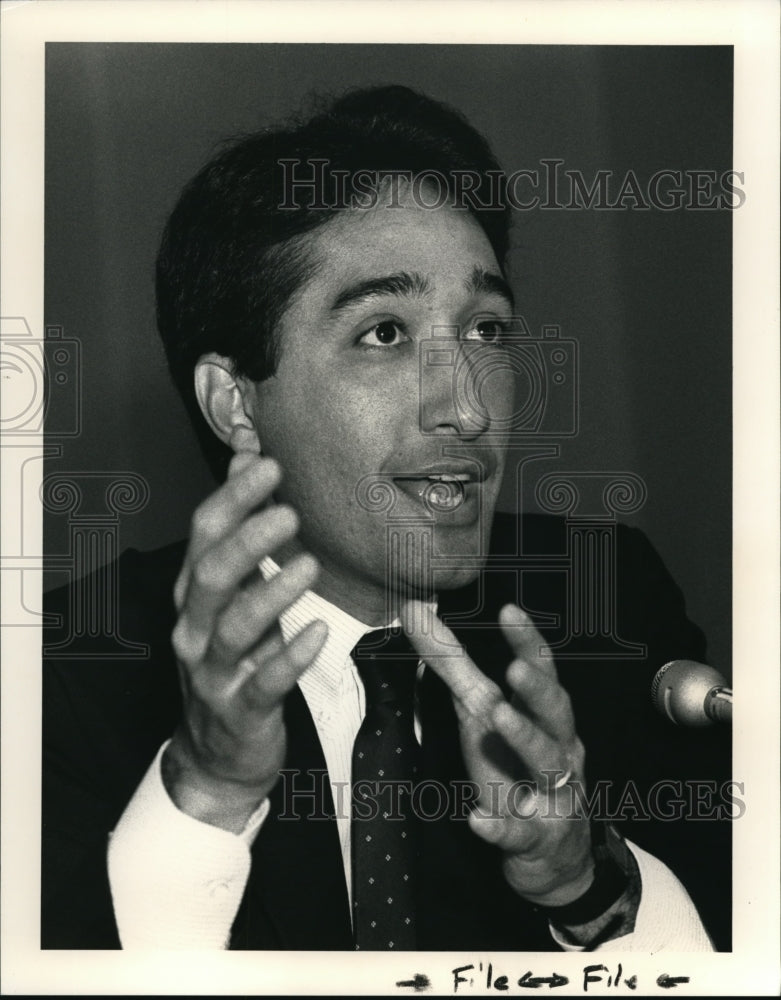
<point x="177" y="882"/>
<point x="334" y="693"/>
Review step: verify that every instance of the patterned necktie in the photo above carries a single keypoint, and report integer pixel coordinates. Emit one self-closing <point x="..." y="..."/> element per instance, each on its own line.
<point x="385" y="759"/>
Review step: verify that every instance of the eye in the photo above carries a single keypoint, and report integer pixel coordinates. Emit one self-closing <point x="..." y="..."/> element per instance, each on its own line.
<point x="388" y="333"/>
<point x="488" y="331"/>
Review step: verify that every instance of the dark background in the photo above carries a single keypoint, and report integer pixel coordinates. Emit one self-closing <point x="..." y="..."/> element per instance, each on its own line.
<point x="646" y="294"/>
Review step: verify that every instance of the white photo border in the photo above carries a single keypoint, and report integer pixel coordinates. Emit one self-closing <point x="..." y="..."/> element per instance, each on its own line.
<point x="751" y="26"/>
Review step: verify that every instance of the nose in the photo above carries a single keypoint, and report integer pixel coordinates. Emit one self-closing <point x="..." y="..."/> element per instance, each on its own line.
<point x="451" y="400"/>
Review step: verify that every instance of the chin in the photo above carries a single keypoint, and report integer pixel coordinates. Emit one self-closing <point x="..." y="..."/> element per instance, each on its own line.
<point x="452" y="578"/>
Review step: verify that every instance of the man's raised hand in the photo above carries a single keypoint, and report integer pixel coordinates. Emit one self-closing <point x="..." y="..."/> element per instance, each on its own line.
<point x="234" y="668"/>
<point x="514" y="750"/>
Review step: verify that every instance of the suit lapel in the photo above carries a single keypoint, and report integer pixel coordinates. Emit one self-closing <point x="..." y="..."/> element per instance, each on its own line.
<point x="296" y="896"/>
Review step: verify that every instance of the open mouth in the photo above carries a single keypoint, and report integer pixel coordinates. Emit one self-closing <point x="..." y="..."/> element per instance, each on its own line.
<point x="441" y="492"/>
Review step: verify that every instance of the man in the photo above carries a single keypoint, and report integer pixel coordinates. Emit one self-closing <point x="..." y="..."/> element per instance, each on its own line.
<point x="340" y="337"/>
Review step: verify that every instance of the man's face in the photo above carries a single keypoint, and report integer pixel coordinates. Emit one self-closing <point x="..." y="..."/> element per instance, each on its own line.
<point x="384" y="409"/>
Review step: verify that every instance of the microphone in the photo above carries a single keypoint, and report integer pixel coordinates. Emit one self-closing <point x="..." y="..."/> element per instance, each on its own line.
<point x="692" y="694"/>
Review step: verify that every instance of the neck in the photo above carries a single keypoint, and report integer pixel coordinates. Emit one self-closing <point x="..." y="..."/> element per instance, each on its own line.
<point x="374" y="604"/>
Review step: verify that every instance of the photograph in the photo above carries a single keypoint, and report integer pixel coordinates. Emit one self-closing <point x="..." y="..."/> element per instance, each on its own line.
<point x="378" y="438"/>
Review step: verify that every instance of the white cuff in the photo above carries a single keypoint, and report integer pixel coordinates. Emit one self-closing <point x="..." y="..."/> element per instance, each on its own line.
<point x="175" y="882"/>
<point x="666" y="918"/>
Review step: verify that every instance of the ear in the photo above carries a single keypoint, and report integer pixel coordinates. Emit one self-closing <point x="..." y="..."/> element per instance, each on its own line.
<point x="225" y="403"/>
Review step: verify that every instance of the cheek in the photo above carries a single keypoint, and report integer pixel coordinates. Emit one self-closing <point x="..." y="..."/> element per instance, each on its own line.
<point x="495" y="385"/>
<point x="506" y="391"/>
<point x="325" y="437"/>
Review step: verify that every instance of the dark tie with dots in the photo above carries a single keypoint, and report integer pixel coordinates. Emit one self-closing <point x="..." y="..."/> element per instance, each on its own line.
<point x="385" y="759"/>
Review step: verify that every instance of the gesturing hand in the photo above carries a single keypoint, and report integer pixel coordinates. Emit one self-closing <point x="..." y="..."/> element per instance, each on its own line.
<point x="514" y="751"/>
<point x="235" y="670"/>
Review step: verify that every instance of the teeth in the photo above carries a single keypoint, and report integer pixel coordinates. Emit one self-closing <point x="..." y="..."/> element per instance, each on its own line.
<point x="445" y="494"/>
<point x="450" y="477"/>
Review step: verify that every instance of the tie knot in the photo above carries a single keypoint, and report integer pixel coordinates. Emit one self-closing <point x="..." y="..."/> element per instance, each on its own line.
<point x="387" y="664"/>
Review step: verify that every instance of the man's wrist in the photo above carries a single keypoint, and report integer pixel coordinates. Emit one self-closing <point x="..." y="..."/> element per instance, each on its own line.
<point x="224" y="804"/>
<point x="608" y="910"/>
<point x="608" y="885"/>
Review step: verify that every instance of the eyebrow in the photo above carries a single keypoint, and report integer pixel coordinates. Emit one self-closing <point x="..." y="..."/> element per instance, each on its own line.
<point x="489" y="283"/>
<point x="408" y="284"/>
<point x="402" y="283"/>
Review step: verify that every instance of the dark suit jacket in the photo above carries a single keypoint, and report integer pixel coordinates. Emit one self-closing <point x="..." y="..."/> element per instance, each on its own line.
<point x="105" y="718"/>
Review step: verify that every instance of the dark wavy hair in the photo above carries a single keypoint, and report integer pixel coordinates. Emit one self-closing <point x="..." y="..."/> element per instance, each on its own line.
<point x="234" y="251"/>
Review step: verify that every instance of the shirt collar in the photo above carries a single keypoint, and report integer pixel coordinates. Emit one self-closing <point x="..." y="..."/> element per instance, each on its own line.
<point x="330" y="670"/>
<point x="310" y="607"/>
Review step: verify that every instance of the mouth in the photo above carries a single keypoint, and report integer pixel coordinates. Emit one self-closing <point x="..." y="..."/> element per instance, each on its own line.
<point x="440" y="492"/>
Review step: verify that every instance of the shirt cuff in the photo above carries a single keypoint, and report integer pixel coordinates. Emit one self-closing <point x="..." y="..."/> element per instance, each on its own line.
<point x="666" y="918"/>
<point x="176" y="882"/>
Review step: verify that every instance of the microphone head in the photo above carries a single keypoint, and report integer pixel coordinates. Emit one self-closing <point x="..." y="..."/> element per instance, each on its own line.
<point x="680" y="690"/>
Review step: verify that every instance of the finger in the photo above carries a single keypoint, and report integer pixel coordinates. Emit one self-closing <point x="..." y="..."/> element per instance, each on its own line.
<point x="437" y="645"/>
<point x="539" y="751"/>
<point x="268" y="678"/>
<point x="524" y="639"/>
<point x="251" y="480"/>
<point x="543" y="698"/>
<point x="220" y="572"/>
<point x="270" y="646"/>
<point x="507" y="834"/>
<point x="255" y="608"/>
<point x="509" y="820"/>
<point x="492" y="829"/>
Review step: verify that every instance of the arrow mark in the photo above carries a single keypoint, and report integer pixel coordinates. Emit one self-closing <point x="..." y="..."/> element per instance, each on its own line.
<point x="418" y="984"/>
<point x="670" y="982"/>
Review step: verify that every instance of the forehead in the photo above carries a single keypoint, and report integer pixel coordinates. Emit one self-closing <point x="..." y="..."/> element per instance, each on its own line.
<point x="406" y="228"/>
<point x="443" y="246"/>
